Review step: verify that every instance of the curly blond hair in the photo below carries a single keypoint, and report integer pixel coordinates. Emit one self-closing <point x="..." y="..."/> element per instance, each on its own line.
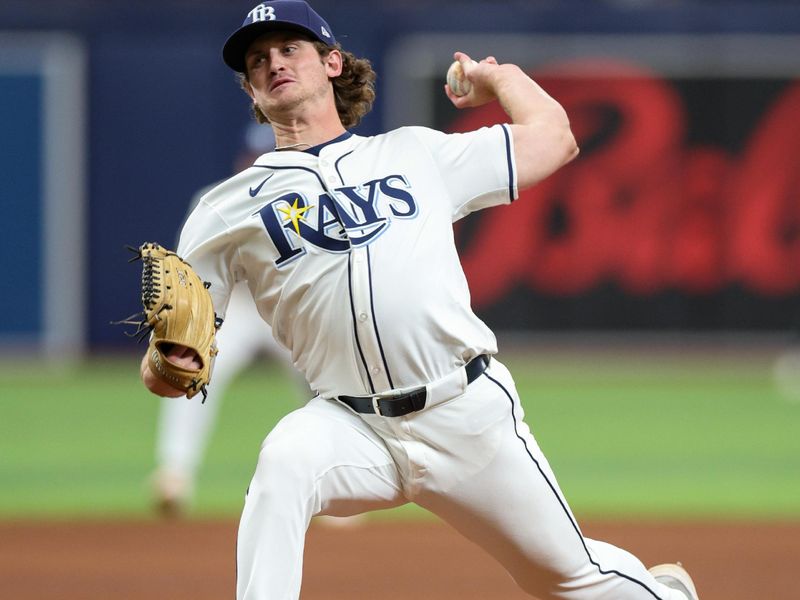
<point x="353" y="90"/>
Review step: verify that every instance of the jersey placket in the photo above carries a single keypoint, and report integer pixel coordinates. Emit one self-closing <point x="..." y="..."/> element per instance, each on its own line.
<point x="364" y="319"/>
<point x="361" y="296"/>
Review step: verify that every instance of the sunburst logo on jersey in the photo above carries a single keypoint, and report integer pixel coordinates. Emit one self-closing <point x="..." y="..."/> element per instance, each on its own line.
<point x="294" y="213"/>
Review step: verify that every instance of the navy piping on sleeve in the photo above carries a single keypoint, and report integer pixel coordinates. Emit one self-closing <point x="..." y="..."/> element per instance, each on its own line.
<point x="560" y="501"/>
<point x="510" y="164"/>
<point x="375" y="321"/>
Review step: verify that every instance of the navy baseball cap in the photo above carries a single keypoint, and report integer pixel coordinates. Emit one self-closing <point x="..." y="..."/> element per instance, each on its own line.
<point x="295" y="15"/>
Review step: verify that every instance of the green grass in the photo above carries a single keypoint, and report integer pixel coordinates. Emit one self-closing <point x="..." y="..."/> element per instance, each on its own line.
<point x="629" y="434"/>
<point x="684" y="436"/>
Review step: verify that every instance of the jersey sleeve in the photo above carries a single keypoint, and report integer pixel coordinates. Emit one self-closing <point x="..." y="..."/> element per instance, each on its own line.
<point x="477" y="168"/>
<point x="204" y="244"/>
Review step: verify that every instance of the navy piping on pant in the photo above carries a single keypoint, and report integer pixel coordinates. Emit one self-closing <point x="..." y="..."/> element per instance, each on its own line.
<point x="561" y="502"/>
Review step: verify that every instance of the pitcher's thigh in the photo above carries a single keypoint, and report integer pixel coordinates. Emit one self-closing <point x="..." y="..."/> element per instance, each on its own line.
<point x="324" y="455"/>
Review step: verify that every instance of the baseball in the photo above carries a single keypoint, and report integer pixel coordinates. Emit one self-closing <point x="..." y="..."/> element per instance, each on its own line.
<point x="458" y="83"/>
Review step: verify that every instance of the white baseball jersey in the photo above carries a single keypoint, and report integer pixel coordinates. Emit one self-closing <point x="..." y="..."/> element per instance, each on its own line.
<point x="349" y="252"/>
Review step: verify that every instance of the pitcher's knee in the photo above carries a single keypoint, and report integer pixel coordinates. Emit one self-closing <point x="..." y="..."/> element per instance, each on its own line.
<point x="585" y="582"/>
<point x="538" y="583"/>
<point x="553" y="579"/>
<point x="290" y="466"/>
<point x="277" y="467"/>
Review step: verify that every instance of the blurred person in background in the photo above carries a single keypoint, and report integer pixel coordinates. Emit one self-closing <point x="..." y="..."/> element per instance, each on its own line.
<point x="184" y="428"/>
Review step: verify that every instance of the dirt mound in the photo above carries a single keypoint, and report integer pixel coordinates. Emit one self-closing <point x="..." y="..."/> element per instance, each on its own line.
<point x="426" y="561"/>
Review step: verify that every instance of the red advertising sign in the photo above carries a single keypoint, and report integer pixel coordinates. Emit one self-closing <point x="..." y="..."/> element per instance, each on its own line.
<point x="687" y="186"/>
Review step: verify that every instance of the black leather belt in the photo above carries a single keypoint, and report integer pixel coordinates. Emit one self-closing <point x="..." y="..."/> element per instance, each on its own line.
<point x="397" y="406"/>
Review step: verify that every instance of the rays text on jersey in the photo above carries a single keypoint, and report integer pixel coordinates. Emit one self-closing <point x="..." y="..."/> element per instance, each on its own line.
<point x="339" y="219"/>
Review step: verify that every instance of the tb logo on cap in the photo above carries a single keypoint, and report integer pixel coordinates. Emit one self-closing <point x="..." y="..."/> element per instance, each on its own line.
<point x="262" y="12"/>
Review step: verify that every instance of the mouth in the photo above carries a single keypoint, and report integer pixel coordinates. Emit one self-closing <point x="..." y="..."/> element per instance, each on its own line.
<point x="280" y="82"/>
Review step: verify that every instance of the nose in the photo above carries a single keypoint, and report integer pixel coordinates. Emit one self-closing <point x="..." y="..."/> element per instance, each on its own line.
<point x="275" y="61"/>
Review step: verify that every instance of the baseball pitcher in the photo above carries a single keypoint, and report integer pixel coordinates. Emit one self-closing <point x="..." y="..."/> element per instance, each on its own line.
<point x="346" y="244"/>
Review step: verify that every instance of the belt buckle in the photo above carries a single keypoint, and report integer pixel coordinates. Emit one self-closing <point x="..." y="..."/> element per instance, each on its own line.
<point x="376" y="406"/>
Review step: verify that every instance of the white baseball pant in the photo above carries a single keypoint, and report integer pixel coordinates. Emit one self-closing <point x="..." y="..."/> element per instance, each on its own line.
<point x="470" y="459"/>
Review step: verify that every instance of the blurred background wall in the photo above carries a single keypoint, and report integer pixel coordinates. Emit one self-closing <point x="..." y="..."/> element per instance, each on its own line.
<point x="682" y="213"/>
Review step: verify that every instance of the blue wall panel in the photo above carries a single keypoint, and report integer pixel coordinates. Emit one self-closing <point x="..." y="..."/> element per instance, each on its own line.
<point x="21" y="204"/>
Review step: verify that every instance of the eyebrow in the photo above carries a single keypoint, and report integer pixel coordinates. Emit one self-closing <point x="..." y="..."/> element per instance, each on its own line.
<point x="281" y="38"/>
<point x="286" y="39"/>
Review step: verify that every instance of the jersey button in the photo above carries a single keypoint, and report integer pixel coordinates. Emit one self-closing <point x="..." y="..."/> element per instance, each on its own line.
<point x="362" y="317"/>
<point x="376" y="370"/>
